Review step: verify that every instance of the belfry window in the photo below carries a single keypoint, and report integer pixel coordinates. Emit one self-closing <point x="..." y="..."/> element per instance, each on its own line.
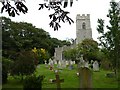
<point x="83" y="25"/>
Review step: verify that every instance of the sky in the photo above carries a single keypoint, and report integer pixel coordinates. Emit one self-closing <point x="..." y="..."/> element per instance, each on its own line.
<point x="40" y="18"/>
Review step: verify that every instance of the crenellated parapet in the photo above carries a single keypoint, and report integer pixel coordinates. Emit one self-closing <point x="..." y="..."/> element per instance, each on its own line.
<point x="83" y="16"/>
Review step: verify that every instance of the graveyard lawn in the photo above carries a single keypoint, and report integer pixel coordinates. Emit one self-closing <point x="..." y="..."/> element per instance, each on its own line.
<point x="71" y="80"/>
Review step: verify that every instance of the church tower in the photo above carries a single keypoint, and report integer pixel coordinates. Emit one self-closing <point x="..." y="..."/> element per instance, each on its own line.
<point x="83" y="27"/>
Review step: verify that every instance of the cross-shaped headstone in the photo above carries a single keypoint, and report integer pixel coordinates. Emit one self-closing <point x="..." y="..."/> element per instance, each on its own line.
<point x="58" y="80"/>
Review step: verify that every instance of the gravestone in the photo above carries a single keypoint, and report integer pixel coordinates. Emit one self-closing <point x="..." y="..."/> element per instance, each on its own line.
<point x="59" y="65"/>
<point x="58" y="80"/>
<point x="67" y="63"/>
<point x="81" y="63"/>
<point x="46" y="65"/>
<point x="55" y="62"/>
<point x="63" y="64"/>
<point x="73" y="62"/>
<point x="85" y="77"/>
<point x="51" y="64"/>
<point x="95" y="66"/>
<point x="45" y="62"/>
<point x="87" y="64"/>
<point x="91" y="64"/>
<point x="71" y="65"/>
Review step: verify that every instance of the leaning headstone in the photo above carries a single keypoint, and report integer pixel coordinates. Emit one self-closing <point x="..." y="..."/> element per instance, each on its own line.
<point x="95" y="66"/>
<point x="85" y="76"/>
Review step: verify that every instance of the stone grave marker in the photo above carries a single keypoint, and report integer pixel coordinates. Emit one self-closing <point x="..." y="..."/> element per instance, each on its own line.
<point x="95" y="66"/>
<point x="67" y="63"/>
<point x="85" y="77"/>
<point x="71" y="65"/>
<point x="51" y="64"/>
<point x="73" y="62"/>
<point x="63" y="64"/>
<point x="45" y="62"/>
<point x="87" y="64"/>
<point x="60" y="65"/>
<point x="58" y="80"/>
<point x="81" y="63"/>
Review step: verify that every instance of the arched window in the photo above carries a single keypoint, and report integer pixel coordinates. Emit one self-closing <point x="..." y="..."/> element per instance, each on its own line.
<point x="83" y="25"/>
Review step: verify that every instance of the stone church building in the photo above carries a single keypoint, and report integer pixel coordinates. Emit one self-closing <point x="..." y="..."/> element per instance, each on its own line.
<point x="83" y="31"/>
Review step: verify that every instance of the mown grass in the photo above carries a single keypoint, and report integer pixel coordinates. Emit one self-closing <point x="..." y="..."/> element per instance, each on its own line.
<point x="71" y="80"/>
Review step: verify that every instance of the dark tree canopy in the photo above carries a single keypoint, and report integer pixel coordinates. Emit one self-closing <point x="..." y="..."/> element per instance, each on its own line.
<point x="18" y="36"/>
<point x="56" y="5"/>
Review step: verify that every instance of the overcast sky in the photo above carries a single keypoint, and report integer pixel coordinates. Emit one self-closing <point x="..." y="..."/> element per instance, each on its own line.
<point x="40" y="19"/>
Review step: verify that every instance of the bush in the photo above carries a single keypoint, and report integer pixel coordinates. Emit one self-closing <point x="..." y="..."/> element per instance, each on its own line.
<point x="24" y="64"/>
<point x="33" y="82"/>
<point x="6" y="65"/>
<point x="4" y="75"/>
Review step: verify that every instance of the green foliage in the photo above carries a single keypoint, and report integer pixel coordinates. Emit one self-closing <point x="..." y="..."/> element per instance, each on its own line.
<point x="110" y="40"/>
<point x="40" y="55"/>
<point x="6" y="67"/>
<point x="70" y="54"/>
<point x="33" y="82"/>
<point x="88" y="48"/>
<point x="18" y="36"/>
<point x="23" y="64"/>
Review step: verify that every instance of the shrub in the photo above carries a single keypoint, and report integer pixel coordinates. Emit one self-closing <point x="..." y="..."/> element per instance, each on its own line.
<point x="4" y="75"/>
<point x="6" y="65"/>
<point x="33" y="82"/>
<point x="24" y="64"/>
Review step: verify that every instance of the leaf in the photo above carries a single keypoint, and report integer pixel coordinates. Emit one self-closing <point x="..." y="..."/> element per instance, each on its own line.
<point x="50" y="16"/>
<point x="54" y="18"/>
<point x="51" y="24"/>
<point x="2" y="9"/>
<point x="41" y="6"/>
<point x="45" y="5"/>
<point x="13" y="13"/>
<point x="71" y="3"/>
<point x="59" y="2"/>
<point x="65" y="4"/>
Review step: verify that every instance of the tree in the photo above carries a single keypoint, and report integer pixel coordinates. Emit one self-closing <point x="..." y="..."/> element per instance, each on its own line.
<point x="19" y="36"/>
<point x="110" y="40"/>
<point x="40" y="55"/>
<point x="23" y="64"/>
<point x="56" y="5"/>
<point x="70" y="54"/>
<point x="6" y="68"/>
<point x="89" y="49"/>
